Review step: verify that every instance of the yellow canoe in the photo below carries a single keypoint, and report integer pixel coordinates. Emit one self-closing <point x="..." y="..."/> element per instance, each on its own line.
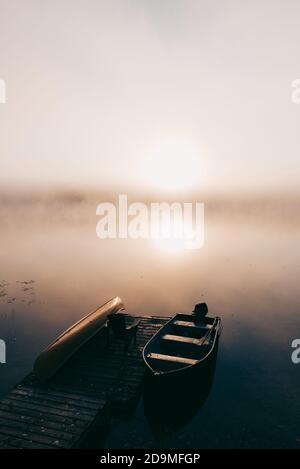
<point x="57" y="353"/>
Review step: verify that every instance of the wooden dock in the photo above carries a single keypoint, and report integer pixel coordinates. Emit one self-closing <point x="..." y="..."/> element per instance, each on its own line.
<point x="99" y="381"/>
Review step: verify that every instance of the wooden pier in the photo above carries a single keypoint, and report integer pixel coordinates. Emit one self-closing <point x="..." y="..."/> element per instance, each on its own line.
<point x="98" y="382"/>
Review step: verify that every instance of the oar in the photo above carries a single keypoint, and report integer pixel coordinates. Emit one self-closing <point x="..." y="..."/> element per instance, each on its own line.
<point x="208" y="333"/>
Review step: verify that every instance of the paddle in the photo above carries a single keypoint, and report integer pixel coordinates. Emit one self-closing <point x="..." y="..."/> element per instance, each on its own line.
<point x="208" y="333"/>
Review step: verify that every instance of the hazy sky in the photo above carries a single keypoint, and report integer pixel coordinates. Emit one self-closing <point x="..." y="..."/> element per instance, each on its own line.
<point x="153" y="92"/>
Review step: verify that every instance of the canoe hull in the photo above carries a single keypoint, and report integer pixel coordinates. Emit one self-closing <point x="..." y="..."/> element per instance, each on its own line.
<point x="57" y="353"/>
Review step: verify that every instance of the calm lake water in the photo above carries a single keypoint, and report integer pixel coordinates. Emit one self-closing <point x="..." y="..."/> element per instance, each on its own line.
<point x="53" y="270"/>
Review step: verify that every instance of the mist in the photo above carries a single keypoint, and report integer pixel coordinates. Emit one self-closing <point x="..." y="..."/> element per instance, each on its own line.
<point x="95" y="87"/>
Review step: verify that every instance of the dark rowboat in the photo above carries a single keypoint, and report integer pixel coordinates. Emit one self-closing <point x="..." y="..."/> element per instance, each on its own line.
<point x="183" y="345"/>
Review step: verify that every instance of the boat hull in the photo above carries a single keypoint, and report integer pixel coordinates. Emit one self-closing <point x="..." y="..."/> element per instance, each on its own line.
<point x="57" y="353"/>
<point x="161" y="396"/>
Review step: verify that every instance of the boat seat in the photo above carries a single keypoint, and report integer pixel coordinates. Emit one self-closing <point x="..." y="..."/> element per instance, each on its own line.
<point x="172" y="358"/>
<point x="185" y="340"/>
<point x="193" y="325"/>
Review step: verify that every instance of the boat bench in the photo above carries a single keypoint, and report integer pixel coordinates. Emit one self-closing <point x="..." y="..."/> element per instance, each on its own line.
<point x="172" y="358"/>
<point x="182" y="342"/>
<point x="190" y="329"/>
<point x="193" y="325"/>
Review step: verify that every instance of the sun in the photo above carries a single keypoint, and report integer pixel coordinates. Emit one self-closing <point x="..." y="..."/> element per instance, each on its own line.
<point x="171" y="164"/>
<point x="170" y="246"/>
